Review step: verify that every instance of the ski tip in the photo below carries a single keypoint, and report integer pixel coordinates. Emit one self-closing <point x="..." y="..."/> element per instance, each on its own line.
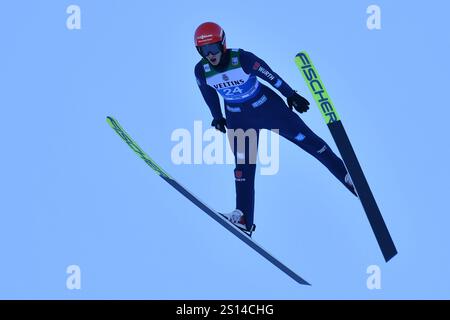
<point x="111" y="121"/>
<point x="300" y="54"/>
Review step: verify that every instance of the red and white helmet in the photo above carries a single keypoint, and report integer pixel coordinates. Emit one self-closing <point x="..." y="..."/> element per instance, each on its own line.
<point x="209" y="33"/>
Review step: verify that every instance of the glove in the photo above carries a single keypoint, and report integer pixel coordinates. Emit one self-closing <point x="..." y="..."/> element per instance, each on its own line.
<point x="219" y="124"/>
<point x="298" y="102"/>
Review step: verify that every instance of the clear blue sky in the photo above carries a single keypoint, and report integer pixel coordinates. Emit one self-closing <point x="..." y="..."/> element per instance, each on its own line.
<point x="71" y="192"/>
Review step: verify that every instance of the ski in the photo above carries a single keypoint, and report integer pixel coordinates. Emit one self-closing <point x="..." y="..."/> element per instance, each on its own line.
<point x="212" y="213"/>
<point x="345" y="148"/>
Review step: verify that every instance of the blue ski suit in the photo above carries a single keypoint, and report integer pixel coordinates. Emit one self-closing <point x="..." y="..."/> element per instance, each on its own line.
<point x="250" y="104"/>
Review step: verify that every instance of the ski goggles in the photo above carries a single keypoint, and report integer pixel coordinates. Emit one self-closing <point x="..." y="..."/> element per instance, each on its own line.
<point x="213" y="48"/>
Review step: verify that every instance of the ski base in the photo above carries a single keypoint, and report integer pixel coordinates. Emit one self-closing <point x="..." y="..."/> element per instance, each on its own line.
<point x="244" y="237"/>
<point x="334" y="123"/>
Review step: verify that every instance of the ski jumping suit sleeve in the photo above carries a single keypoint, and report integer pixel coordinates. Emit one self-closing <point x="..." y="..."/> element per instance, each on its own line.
<point x="209" y="94"/>
<point x="252" y="106"/>
<point x="255" y="66"/>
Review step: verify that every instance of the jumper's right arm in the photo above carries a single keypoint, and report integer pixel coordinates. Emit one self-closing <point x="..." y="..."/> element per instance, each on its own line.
<point x="209" y="94"/>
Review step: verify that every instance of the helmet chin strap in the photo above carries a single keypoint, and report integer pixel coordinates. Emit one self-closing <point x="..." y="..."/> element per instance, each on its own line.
<point x="224" y="59"/>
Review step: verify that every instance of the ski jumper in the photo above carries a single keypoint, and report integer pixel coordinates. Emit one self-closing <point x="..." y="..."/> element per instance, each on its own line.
<point x="250" y="104"/>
